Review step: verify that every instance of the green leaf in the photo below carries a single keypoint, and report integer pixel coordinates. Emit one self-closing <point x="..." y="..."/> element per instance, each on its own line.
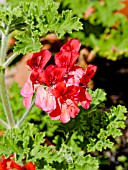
<point x="86" y="162"/>
<point x="35" y="20"/>
<point x="26" y="43"/>
<point x="67" y="23"/>
<point x="98" y="96"/>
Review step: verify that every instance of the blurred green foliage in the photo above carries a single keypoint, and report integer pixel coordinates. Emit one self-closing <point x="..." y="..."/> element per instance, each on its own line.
<point x="105" y="31"/>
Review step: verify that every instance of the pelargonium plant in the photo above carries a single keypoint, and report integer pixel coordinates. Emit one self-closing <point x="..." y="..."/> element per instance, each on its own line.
<point x="73" y="119"/>
<point x="60" y="87"/>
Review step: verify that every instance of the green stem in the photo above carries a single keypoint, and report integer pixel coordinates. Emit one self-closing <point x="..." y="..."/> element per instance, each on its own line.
<point x="5" y="100"/>
<point x="4" y="43"/>
<point x="9" y="60"/>
<point x="3" y="123"/>
<point x="3" y="89"/>
<point x="25" y="115"/>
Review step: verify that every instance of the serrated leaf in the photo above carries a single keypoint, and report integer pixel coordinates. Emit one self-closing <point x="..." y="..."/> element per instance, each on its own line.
<point x="35" y="20"/>
<point x="26" y="44"/>
<point x="67" y="23"/>
<point x="98" y="96"/>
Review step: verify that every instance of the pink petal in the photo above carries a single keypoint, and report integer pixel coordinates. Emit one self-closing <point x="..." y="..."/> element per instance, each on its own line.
<point x="55" y="118"/>
<point x="65" y="116"/>
<point x="85" y="104"/>
<point x="72" y="108"/>
<point x="88" y="96"/>
<point x="77" y="71"/>
<point x="27" y="101"/>
<point x="73" y="81"/>
<point x="27" y="90"/>
<point x="45" y="100"/>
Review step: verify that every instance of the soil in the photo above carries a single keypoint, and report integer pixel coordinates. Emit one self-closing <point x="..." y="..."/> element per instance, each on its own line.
<point x="112" y="77"/>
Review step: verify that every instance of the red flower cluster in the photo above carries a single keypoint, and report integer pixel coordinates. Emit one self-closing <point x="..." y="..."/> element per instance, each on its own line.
<point x="60" y="87"/>
<point x="10" y="164"/>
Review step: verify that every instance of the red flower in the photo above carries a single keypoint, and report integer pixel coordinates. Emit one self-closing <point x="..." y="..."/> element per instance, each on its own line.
<point x="59" y="88"/>
<point x="29" y="166"/>
<point x="84" y="98"/>
<point x="71" y="46"/>
<point x="10" y="164"/>
<point x="35" y="75"/>
<point x="51" y="75"/>
<point x="66" y="103"/>
<point x="89" y="73"/>
<point x="68" y="54"/>
<point x="39" y="59"/>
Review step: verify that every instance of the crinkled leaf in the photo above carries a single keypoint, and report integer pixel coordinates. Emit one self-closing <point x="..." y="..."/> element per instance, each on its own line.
<point x="98" y="96"/>
<point x="34" y="20"/>
<point x="26" y="44"/>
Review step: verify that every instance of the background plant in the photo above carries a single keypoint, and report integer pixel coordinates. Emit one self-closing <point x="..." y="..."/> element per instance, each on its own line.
<point x="104" y="31"/>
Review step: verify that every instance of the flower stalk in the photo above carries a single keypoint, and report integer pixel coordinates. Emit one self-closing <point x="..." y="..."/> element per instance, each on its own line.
<point x="4" y="43"/>
<point x="25" y="115"/>
<point x="9" y="60"/>
<point x="3" y="89"/>
<point x="5" y="100"/>
<point x="3" y="123"/>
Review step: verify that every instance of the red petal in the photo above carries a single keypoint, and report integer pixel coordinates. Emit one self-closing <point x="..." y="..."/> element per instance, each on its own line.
<point x="55" y="114"/>
<point x="59" y="90"/>
<point x="72" y="44"/>
<point x="15" y="165"/>
<point x="30" y="166"/>
<point x="89" y="73"/>
<point x="39" y="59"/>
<point x="84" y="98"/>
<point x="62" y="59"/>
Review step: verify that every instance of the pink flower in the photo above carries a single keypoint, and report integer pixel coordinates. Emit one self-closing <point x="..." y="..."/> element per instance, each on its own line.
<point x="45" y="100"/>
<point x="39" y="59"/>
<point x="27" y="92"/>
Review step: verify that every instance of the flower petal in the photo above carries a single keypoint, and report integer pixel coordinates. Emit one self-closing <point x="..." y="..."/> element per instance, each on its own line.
<point x="65" y="116"/>
<point x="72" y="108"/>
<point x="27" y="101"/>
<point x="39" y="59"/>
<point x="27" y="90"/>
<point x="29" y="166"/>
<point x="72" y="44"/>
<point x="85" y="98"/>
<point x="89" y="73"/>
<point x="45" y="100"/>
